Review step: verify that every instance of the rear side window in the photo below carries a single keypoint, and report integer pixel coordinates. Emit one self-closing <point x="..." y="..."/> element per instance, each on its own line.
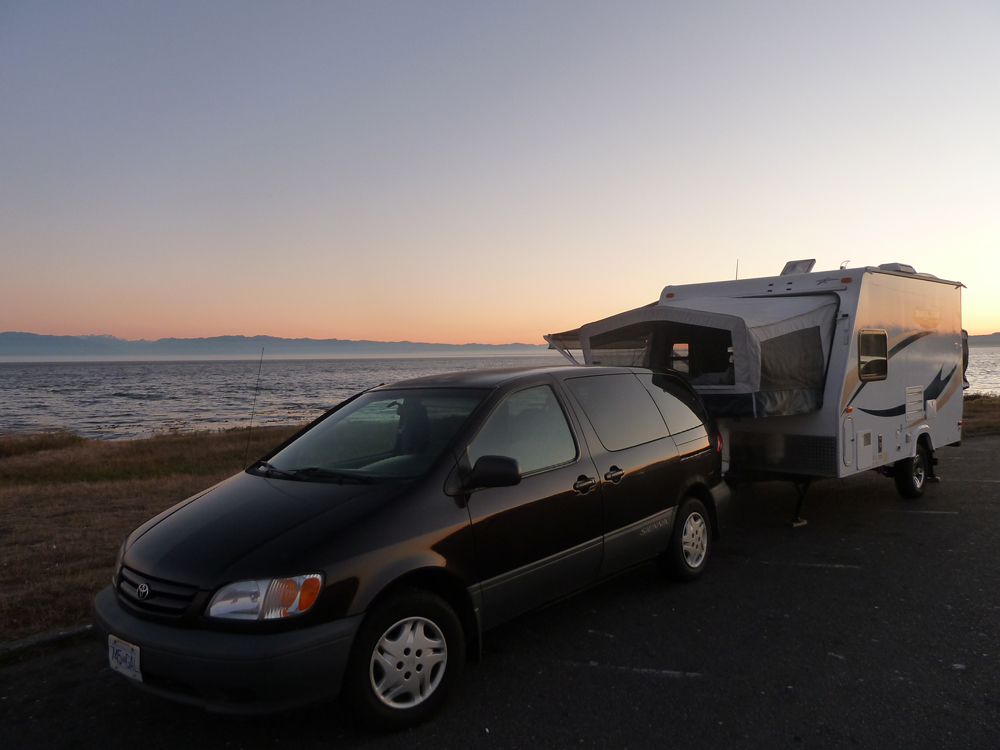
<point x="678" y="416"/>
<point x="620" y="408"/>
<point x="873" y="354"/>
<point x="529" y="426"/>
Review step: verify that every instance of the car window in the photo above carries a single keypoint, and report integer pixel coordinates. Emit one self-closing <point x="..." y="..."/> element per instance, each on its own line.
<point x="529" y="426"/>
<point x="382" y="436"/>
<point x="621" y="410"/>
<point x="678" y="416"/>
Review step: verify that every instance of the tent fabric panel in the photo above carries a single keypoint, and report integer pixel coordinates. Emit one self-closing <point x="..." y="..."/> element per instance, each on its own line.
<point x="756" y="312"/>
<point x="792" y="360"/>
<point x="763" y="403"/>
<point x="566" y="339"/>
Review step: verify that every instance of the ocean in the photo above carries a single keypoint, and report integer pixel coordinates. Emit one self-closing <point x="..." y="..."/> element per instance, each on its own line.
<point x="116" y="399"/>
<point x="120" y="399"/>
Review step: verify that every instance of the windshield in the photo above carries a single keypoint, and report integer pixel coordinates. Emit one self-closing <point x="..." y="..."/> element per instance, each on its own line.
<point x="381" y="436"/>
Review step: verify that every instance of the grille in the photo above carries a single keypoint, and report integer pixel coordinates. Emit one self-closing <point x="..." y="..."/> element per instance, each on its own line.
<point x="165" y="598"/>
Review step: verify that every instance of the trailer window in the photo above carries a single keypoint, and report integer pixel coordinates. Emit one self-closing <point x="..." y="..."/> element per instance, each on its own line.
<point x="873" y="355"/>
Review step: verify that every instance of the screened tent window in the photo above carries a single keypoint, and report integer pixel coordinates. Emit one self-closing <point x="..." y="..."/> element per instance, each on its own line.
<point x="702" y="353"/>
<point x="873" y="355"/>
<point x="680" y="359"/>
<point x="623" y="347"/>
<point x="529" y="426"/>
<point x="620" y="408"/>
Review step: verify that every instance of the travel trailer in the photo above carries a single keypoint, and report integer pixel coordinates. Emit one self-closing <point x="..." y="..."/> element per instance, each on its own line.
<point x="809" y="374"/>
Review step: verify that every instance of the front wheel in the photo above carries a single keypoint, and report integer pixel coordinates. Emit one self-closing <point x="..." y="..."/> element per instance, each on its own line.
<point x="690" y="543"/>
<point x="406" y="658"/>
<point x="911" y="473"/>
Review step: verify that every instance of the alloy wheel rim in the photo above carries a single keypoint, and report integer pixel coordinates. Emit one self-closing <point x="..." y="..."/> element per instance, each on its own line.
<point x="919" y="471"/>
<point x="694" y="540"/>
<point x="408" y="663"/>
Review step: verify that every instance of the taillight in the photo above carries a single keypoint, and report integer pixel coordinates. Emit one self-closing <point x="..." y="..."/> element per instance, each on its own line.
<point x="718" y="443"/>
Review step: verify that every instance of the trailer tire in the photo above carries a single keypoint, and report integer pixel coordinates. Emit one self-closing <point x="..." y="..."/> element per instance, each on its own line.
<point x="911" y="473"/>
<point x="690" y="542"/>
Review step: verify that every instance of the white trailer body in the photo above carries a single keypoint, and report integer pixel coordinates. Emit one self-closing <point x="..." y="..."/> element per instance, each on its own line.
<point x="808" y="374"/>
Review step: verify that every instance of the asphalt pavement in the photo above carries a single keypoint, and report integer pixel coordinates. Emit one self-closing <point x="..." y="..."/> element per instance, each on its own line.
<point x="876" y="625"/>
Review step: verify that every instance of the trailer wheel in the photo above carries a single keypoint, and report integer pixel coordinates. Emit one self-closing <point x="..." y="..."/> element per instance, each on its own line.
<point x="911" y="473"/>
<point x="687" y="552"/>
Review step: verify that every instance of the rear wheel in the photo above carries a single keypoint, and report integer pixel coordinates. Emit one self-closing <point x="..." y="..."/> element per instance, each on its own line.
<point x="690" y="543"/>
<point x="911" y="473"/>
<point x="407" y="656"/>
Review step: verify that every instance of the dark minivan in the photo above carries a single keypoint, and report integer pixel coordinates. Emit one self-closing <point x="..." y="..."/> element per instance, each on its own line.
<point x="367" y="554"/>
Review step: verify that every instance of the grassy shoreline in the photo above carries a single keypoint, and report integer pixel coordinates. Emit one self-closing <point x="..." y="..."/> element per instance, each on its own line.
<point x="66" y="504"/>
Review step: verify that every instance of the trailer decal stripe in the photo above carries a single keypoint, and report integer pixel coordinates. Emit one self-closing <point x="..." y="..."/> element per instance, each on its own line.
<point x="932" y="391"/>
<point x="896" y="349"/>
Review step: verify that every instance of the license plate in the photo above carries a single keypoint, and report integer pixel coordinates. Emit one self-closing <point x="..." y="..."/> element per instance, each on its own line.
<point x="124" y="657"/>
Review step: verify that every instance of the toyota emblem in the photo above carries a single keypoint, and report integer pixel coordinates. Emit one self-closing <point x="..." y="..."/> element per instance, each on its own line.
<point x="143" y="591"/>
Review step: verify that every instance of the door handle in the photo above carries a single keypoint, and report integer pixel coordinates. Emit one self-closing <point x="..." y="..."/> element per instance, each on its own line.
<point x="614" y="475"/>
<point x="584" y="484"/>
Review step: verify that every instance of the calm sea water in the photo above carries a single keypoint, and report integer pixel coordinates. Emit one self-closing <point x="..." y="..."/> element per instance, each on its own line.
<point x="136" y="399"/>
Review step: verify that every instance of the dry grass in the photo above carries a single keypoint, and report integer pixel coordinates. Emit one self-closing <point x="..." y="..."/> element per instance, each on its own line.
<point x="66" y="506"/>
<point x="12" y="444"/>
<point x="980" y="415"/>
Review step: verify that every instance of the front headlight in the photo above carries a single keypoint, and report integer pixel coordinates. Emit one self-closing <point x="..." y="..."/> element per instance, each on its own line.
<point x="267" y="598"/>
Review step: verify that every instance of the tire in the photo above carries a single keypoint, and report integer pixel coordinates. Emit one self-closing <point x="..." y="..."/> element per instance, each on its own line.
<point x="690" y="543"/>
<point x="407" y="656"/>
<point x="911" y="474"/>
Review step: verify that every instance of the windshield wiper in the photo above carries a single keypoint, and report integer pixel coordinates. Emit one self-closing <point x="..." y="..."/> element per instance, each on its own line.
<point x="316" y="471"/>
<point x="270" y="470"/>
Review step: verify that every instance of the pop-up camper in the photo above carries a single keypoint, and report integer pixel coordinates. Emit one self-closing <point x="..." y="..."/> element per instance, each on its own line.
<point x="808" y="374"/>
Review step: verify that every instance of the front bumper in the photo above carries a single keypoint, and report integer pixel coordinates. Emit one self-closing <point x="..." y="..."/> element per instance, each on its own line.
<point x="233" y="672"/>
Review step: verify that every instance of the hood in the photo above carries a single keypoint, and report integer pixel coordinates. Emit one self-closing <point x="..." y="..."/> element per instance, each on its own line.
<point x="204" y="540"/>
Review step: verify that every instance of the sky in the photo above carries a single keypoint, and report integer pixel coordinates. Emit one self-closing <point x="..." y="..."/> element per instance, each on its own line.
<point x="484" y="172"/>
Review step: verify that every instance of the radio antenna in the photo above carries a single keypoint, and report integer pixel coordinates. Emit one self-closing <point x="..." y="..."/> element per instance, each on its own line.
<point x="737" y="269"/>
<point x="253" y="409"/>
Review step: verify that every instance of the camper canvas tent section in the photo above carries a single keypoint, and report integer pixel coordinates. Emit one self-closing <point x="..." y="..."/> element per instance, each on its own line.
<point x="809" y="374"/>
<point x="746" y="357"/>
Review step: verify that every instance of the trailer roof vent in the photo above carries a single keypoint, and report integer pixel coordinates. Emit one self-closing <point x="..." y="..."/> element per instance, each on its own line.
<point x="898" y="268"/>
<point x="798" y="266"/>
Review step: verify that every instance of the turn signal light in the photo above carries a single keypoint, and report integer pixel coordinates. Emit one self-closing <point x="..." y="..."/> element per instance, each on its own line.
<point x="266" y="599"/>
<point x="846" y="280"/>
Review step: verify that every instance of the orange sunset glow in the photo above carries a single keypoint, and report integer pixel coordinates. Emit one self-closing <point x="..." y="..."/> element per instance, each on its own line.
<point x="458" y="174"/>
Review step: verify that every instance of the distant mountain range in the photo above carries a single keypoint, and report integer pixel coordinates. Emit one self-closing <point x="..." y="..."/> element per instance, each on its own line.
<point x="15" y="344"/>
<point x="990" y="339"/>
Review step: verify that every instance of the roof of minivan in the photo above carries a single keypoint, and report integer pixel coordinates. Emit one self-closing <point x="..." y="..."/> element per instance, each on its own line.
<point x="491" y="378"/>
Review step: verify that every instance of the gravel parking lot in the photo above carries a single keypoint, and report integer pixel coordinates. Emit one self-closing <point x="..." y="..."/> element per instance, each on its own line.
<point x="876" y="625"/>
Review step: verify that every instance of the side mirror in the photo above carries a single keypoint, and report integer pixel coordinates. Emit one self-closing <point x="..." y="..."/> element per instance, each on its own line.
<point x="493" y="471"/>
